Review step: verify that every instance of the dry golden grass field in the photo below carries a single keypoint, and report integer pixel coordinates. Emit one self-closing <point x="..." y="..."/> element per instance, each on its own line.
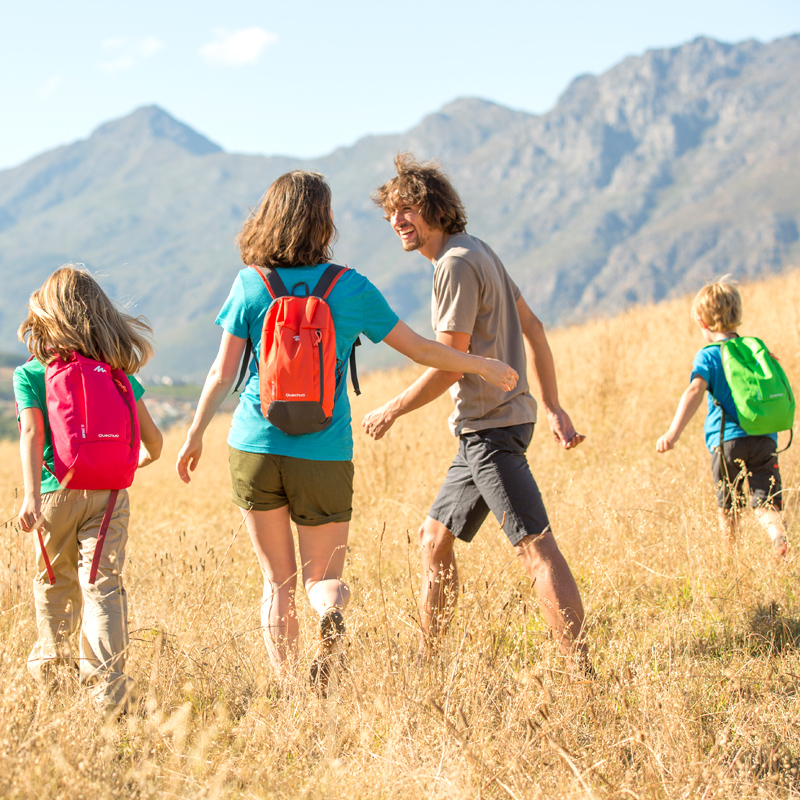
<point x="697" y="655"/>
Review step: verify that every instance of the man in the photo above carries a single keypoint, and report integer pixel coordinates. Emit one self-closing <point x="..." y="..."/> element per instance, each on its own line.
<point x="477" y="307"/>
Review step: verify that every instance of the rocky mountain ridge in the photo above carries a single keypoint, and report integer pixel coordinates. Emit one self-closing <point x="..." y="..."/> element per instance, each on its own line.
<point x="671" y="168"/>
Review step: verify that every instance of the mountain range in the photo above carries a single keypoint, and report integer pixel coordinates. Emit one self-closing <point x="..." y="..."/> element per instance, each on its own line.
<point x="670" y="169"/>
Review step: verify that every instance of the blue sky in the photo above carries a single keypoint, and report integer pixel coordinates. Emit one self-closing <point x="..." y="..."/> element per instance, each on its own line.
<point x="302" y="78"/>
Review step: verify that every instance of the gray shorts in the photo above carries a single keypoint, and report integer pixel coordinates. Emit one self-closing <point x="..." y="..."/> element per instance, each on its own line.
<point x="491" y="473"/>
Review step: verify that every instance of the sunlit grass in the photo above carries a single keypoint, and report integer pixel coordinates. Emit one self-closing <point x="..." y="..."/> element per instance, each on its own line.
<point x="696" y="654"/>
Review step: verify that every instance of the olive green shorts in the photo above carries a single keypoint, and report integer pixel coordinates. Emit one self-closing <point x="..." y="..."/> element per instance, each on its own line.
<point x="317" y="492"/>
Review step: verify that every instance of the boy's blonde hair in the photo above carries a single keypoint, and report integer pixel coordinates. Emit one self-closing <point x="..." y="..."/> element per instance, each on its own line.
<point x="72" y="313"/>
<point x="719" y="305"/>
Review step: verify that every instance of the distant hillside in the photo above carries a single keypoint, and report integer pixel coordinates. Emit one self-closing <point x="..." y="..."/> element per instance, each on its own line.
<point x="671" y="168"/>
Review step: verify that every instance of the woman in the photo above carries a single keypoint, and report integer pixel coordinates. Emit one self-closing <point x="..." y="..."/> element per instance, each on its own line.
<point x="277" y="477"/>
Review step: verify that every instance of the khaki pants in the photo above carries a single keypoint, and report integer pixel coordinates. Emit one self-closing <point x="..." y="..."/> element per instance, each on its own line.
<point x="71" y="521"/>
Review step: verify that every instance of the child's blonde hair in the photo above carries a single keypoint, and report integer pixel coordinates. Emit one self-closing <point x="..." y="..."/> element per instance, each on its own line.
<point x="72" y="313"/>
<point x="719" y="305"/>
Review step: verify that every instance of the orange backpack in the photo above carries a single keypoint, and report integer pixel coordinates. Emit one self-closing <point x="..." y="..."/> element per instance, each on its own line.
<point x="297" y="366"/>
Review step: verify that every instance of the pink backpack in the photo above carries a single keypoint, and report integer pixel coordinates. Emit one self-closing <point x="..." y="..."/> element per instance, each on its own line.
<point x="93" y="422"/>
<point x="95" y="430"/>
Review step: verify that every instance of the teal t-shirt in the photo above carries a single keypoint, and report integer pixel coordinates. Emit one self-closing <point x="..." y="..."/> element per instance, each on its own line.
<point x="357" y="307"/>
<point x="29" y="392"/>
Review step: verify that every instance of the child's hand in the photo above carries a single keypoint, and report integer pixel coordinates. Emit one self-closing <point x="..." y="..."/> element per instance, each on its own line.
<point x="666" y="442"/>
<point x="145" y="456"/>
<point x="30" y="514"/>
<point x="152" y="440"/>
<point x="499" y="374"/>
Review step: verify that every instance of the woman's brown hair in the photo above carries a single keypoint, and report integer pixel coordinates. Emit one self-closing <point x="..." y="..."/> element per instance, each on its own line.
<point x="292" y="226"/>
<point x="72" y="313"/>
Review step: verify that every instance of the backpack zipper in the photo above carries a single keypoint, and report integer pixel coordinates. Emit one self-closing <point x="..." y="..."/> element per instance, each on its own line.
<point x="123" y="392"/>
<point x="321" y="366"/>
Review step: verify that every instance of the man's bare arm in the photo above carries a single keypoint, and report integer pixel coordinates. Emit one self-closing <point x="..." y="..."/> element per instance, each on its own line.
<point x="430" y="385"/>
<point x="544" y="372"/>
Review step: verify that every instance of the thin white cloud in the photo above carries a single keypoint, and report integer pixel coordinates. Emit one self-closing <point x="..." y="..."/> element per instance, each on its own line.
<point x="125" y="52"/>
<point x="50" y="86"/>
<point x="237" y="48"/>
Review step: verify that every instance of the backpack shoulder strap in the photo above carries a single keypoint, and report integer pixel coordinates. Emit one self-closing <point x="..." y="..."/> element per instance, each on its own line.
<point x="248" y="349"/>
<point x="328" y="280"/>
<point x="275" y="286"/>
<point x="323" y="288"/>
<point x="353" y="371"/>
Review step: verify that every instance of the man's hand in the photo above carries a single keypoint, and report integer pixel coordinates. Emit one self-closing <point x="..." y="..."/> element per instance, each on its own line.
<point x="377" y="422"/>
<point x="563" y="430"/>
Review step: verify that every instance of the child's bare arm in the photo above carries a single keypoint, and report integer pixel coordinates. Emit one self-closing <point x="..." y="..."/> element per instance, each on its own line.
<point x="31" y="448"/>
<point x="152" y="439"/>
<point x="688" y="404"/>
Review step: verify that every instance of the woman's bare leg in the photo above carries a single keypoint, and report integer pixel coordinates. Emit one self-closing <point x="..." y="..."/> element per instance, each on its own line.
<point x="323" y="549"/>
<point x="271" y="535"/>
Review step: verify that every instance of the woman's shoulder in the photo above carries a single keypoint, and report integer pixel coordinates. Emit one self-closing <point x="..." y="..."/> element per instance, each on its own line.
<point x="354" y="280"/>
<point x="248" y="283"/>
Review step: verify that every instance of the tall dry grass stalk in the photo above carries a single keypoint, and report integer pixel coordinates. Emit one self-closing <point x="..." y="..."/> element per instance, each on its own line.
<point x="697" y="655"/>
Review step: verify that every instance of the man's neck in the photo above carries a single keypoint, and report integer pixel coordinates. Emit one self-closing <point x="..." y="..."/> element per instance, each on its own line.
<point x="435" y="244"/>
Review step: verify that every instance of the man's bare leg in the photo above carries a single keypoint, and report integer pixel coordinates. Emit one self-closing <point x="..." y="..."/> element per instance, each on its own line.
<point x="439" y="590"/>
<point x="556" y="590"/>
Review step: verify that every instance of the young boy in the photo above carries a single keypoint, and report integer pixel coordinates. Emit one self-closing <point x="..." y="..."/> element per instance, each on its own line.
<point x="717" y="309"/>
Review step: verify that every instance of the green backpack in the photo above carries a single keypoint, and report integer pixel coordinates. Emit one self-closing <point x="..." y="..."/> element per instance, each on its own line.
<point x="761" y="391"/>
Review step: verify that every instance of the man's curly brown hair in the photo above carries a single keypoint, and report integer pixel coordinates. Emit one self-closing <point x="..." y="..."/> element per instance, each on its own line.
<point x="428" y="187"/>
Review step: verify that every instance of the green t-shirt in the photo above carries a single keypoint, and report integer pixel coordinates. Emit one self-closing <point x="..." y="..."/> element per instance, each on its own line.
<point x="29" y="392"/>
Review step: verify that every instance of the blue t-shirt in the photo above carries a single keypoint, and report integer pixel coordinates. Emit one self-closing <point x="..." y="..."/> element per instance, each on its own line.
<point x="356" y="307"/>
<point x="708" y="366"/>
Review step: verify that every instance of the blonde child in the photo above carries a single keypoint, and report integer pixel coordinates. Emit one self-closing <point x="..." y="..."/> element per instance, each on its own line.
<point x="71" y="313"/>
<point x="717" y="309"/>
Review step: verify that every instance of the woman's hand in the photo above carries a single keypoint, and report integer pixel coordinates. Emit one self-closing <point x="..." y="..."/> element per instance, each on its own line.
<point x="499" y="374"/>
<point x="189" y="456"/>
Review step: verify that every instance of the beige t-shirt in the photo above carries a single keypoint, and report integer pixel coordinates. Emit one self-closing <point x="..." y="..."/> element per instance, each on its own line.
<point x="473" y="293"/>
